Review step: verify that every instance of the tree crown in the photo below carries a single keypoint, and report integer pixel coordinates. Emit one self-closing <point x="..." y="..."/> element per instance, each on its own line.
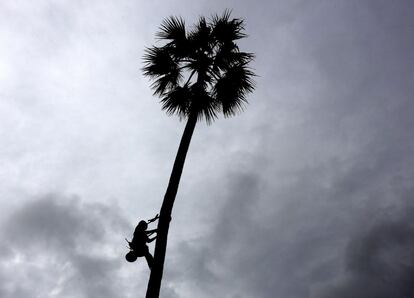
<point x="200" y="70"/>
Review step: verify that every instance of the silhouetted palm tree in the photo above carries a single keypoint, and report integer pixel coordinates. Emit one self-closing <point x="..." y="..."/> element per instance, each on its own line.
<point x="197" y="74"/>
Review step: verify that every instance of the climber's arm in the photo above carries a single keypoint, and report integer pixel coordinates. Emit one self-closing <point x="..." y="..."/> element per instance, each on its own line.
<point x="153" y="219"/>
<point x="151" y="239"/>
<point x="150" y="232"/>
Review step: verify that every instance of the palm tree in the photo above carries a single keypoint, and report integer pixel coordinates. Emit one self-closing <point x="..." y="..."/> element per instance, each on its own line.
<point x="197" y="74"/>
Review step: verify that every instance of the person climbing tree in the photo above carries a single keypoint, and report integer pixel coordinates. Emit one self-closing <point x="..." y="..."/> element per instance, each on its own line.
<point x="138" y="245"/>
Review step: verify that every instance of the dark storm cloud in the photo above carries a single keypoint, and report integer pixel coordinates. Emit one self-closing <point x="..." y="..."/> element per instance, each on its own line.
<point x="301" y="247"/>
<point x="65" y="246"/>
<point x="379" y="261"/>
<point x="250" y="254"/>
<point x="196" y="261"/>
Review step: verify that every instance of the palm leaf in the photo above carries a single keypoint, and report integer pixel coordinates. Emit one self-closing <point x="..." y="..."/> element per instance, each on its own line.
<point x="226" y="30"/>
<point x="200" y="37"/>
<point x="231" y="89"/>
<point x="172" y="28"/>
<point x="158" y="62"/>
<point x="164" y="84"/>
<point x="228" y="55"/>
<point x="173" y="31"/>
<point x="177" y="101"/>
<point x="206" y="107"/>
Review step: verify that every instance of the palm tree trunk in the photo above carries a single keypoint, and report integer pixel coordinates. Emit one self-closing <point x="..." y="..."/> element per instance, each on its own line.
<point x="154" y="283"/>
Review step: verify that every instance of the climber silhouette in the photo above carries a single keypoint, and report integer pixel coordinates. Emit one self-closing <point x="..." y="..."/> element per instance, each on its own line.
<point x="138" y="245"/>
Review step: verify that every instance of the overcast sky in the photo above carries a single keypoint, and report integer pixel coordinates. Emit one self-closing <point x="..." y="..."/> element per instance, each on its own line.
<point x="307" y="193"/>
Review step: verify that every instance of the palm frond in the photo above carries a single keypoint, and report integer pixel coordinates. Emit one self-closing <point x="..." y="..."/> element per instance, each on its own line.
<point x="164" y="84"/>
<point x="206" y="107"/>
<point x="228" y="55"/>
<point x="200" y="37"/>
<point x="226" y="30"/>
<point x="158" y="62"/>
<point x="172" y="28"/>
<point x="173" y="31"/>
<point x="177" y="101"/>
<point x="231" y="89"/>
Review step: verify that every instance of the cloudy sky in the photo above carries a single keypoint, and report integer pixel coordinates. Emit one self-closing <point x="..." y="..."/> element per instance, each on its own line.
<point x="307" y="193"/>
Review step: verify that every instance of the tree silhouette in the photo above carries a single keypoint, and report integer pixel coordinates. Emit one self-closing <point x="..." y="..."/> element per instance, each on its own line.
<point x="197" y="74"/>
